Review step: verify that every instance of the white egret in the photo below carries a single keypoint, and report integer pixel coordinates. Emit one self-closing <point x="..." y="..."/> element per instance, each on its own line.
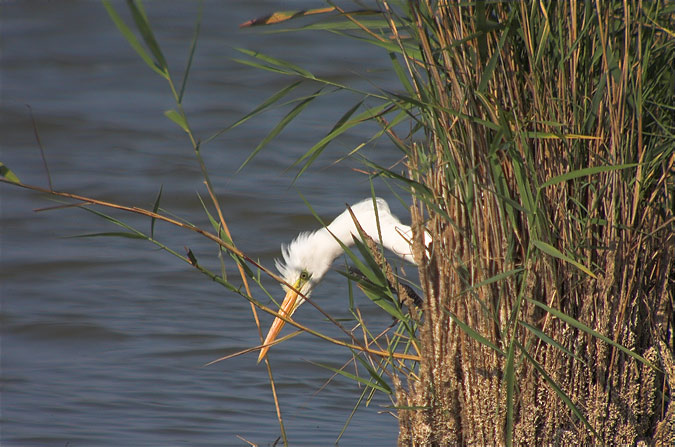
<point x="307" y="259"/>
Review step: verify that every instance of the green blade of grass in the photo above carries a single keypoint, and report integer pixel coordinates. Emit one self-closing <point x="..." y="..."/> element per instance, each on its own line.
<point x="191" y="53"/>
<point x="401" y="74"/>
<point x="136" y="234"/>
<point x="374" y="375"/>
<point x="355" y="378"/>
<point x="419" y="190"/>
<point x="214" y="223"/>
<point x="143" y="25"/>
<point x="579" y="325"/>
<point x="552" y="251"/>
<point x="341" y="126"/>
<point x="8" y="174"/>
<point x="334" y="25"/>
<point x="284" y="16"/>
<point x="379" y="295"/>
<point x="386" y="44"/>
<point x="133" y="41"/>
<point x="559" y="391"/>
<point x="548" y="340"/>
<point x="584" y="172"/>
<point x="279" y="64"/>
<point x="361" y="380"/>
<point x="369" y="258"/>
<point x="492" y="279"/>
<point x="124" y="234"/>
<point x="509" y="380"/>
<point x="223" y="235"/>
<point x="290" y="116"/>
<point x="361" y="266"/>
<point x="473" y="334"/>
<point x="488" y="71"/>
<point x="177" y="118"/>
<point x="264" y="67"/>
<point x="265" y="105"/>
<point x="345" y="123"/>
<point x="155" y="207"/>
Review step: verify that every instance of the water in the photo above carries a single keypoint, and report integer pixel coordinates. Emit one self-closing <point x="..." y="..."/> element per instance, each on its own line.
<point x="104" y="339"/>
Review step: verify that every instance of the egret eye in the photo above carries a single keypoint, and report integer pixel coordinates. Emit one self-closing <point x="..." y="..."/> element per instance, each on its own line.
<point x="304" y="275"/>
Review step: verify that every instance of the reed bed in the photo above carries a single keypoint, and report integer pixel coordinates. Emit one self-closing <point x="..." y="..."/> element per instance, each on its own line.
<point x="549" y="306"/>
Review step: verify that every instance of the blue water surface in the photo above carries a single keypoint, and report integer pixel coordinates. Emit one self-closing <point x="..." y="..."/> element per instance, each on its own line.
<point x="104" y="339"/>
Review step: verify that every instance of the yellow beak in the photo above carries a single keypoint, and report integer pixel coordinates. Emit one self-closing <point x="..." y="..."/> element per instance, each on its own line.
<point x="288" y="306"/>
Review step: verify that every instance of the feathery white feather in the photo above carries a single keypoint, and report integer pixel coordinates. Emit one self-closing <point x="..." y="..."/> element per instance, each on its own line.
<point x="315" y="251"/>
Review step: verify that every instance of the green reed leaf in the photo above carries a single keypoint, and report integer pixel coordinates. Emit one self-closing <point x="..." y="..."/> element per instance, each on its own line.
<point x="552" y="251"/>
<point x="584" y="173"/>
<point x="8" y="174"/>
<point x="559" y="391"/>
<point x="355" y="378"/>
<point x="177" y="118"/>
<point x="155" y="208"/>
<point x="133" y="41"/>
<point x="579" y="325"/>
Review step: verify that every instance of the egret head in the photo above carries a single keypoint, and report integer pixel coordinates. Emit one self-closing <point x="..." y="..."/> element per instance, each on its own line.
<point x="305" y="261"/>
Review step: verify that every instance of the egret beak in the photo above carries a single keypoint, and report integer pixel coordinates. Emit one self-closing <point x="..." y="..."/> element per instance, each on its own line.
<point x="288" y="306"/>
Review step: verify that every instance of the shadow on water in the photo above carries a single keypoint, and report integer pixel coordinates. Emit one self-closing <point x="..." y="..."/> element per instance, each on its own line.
<point x="103" y="339"/>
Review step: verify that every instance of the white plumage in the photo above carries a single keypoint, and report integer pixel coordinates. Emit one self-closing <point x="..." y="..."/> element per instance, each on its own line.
<point x="309" y="256"/>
